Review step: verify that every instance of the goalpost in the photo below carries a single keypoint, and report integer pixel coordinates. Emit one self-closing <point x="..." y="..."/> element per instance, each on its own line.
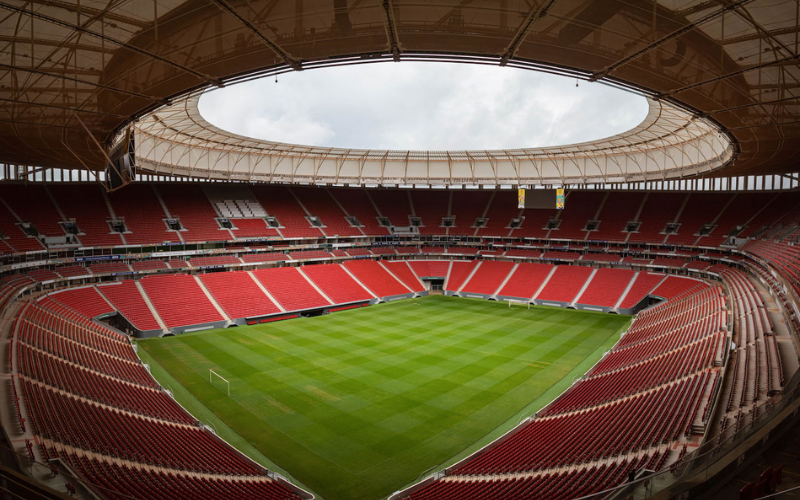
<point x="211" y="374"/>
<point x="518" y="303"/>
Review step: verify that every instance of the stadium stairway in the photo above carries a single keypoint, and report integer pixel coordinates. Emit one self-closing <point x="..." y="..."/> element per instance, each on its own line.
<point x="377" y="279"/>
<point x="311" y="282"/>
<point x="123" y="296"/>
<point x="355" y="278"/>
<point x="345" y="212"/>
<point x="626" y="291"/>
<point x="212" y="299"/>
<point x="167" y="212"/>
<point x="266" y="292"/>
<point x="469" y="276"/>
<point x="643" y="285"/>
<point x="506" y="280"/>
<point x="565" y="284"/>
<point x="544" y="283"/>
<point x="605" y="287"/>
<point x="584" y="287"/>
<point x="403" y="271"/>
<point x="385" y="267"/>
<point x="97" y="289"/>
<point x="336" y="283"/>
<point x="524" y="280"/>
<point x="487" y="277"/>
<point x="678" y="215"/>
<point x="321" y="228"/>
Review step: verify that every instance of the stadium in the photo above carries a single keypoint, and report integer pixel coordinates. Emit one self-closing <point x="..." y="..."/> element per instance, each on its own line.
<point x="188" y="312"/>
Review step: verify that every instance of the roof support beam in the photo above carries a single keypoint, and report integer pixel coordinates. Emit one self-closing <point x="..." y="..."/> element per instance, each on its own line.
<point x="132" y="48"/>
<point x="55" y="43"/>
<point x="76" y="80"/>
<point x="391" y="29"/>
<point x="72" y="109"/>
<point x="611" y="68"/>
<point x="287" y="57"/>
<point x="758" y="103"/>
<point x="694" y="9"/>
<point x="794" y="57"/>
<point x="757" y="36"/>
<point x="534" y="16"/>
<point x="90" y="12"/>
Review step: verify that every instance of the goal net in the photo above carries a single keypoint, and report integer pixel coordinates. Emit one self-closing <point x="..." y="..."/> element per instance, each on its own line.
<point x="516" y="303"/>
<point x="218" y="380"/>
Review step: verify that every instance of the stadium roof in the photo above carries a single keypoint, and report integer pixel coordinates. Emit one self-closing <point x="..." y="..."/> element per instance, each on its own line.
<point x="67" y="68"/>
<point x="670" y="142"/>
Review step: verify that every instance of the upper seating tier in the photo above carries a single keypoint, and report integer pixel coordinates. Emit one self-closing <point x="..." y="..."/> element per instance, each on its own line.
<point x="145" y="207"/>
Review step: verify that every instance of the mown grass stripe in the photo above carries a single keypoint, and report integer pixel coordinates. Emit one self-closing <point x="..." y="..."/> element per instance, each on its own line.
<point x="359" y="403"/>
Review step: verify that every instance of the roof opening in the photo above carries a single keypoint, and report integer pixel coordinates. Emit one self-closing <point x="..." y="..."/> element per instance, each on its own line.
<point x="423" y="106"/>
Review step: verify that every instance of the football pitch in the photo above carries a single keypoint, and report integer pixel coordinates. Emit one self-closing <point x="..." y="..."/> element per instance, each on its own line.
<point x="359" y="403"/>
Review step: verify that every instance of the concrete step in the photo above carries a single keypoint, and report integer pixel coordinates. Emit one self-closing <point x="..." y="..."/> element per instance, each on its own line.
<point x="584" y="287"/>
<point x="544" y="283"/>
<point x="627" y="289"/>
<point x="266" y="292"/>
<point x="474" y="270"/>
<point x="151" y="307"/>
<point x="503" y="284"/>
<point x="365" y="287"/>
<point x="318" y="289"/>
<point x="395" y="277"/>
<point x="211" y="298"/>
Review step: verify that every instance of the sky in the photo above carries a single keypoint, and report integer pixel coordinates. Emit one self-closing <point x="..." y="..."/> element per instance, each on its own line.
<point x="423" y="106"/>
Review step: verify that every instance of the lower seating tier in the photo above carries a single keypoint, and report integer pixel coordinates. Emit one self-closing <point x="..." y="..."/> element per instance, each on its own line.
<point x="86" y="301"/>
<point x="549" y="486"/>
<point x="119" y="482"/>
<point x="179" y="300"/>
<point x="336" y="283"/>
<point x="646" y="420"/>
<point x="125" y="296"/>
<point x="86" y="425"/>
<point x="375" y="277"/>
<point x="238" y="294"/>
<point x="290" y="288"/>
<point x="96" y="387"/>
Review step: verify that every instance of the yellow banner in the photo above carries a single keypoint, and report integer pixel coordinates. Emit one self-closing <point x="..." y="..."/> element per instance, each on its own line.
<point x="560" y="198"/>
<point x="521" y="198"/>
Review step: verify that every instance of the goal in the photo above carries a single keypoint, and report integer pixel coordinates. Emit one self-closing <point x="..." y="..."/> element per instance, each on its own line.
<point x="519" y="303"/>
<point x="211" y="377"/>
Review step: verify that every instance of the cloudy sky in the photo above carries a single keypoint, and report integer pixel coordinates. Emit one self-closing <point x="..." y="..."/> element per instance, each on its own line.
<point x="431" y="106"/>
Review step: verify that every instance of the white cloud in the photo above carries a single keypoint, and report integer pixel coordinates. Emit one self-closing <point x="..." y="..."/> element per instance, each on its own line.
<point x="431" y="106"/>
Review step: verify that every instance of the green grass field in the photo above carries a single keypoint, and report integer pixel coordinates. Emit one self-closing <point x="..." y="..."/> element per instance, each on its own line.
<point x="357" y="404"/>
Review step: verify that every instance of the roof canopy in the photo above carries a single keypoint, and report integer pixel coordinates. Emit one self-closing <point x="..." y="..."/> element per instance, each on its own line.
<point x="67" y="68"/>
<point x="669" y="143"/>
